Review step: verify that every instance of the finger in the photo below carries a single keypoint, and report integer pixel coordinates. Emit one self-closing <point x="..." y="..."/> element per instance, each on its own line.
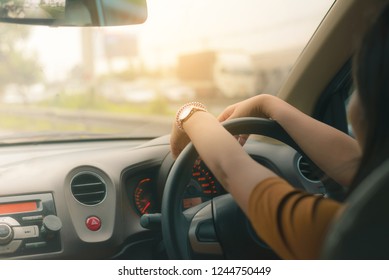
<point x="242" y="139"/>
<point x="226" y="114"/>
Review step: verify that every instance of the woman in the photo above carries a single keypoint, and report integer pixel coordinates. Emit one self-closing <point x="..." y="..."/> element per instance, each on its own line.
<point x="292" y="222"/>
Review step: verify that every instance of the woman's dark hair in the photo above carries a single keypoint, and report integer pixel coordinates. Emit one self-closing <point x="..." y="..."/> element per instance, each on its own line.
<point x="371" y="75"/>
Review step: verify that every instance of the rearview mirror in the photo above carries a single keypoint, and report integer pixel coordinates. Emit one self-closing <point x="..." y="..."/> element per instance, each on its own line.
<point x="73" y="12"/>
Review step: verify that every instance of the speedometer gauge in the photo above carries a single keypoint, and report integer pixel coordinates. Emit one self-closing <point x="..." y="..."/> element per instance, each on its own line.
<point x="203" y="186"/>
<point x="144" y="199"/>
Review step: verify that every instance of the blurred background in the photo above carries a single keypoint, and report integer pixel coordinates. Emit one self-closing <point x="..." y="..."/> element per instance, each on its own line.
<point x="130" y="80"/>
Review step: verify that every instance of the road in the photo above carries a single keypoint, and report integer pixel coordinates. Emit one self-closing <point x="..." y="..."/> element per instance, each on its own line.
<point x="36" y="12"/>
<point x="20" y="119"/>
<point x="82" y="121"/>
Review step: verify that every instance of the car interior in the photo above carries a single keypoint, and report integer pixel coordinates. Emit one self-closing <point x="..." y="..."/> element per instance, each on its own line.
<point x="111" y="197"/>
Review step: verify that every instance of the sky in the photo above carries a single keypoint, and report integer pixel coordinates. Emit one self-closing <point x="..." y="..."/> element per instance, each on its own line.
<point x="181" y="26"/>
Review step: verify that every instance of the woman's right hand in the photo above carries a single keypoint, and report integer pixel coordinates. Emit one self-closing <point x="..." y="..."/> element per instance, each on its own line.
<point x="251" y="107"/>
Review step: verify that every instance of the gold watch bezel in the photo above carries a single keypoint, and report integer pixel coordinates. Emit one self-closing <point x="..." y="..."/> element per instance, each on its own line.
<point x="186" y="111"/>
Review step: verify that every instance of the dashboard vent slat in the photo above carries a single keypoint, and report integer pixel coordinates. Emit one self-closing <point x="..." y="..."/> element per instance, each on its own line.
<point x="307" y="171"/>
<point x="88" y="188"/>
<point x="90" y="184"/>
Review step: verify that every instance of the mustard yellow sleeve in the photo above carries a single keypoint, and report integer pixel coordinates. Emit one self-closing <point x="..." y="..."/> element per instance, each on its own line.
<point x="292" y="222"/>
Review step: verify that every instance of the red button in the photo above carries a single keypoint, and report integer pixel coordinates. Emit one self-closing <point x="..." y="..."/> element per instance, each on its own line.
<point x="93" y="223"/>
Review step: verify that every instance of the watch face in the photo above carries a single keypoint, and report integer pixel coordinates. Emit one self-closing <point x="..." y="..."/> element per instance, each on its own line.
<point x="185" y="112"/>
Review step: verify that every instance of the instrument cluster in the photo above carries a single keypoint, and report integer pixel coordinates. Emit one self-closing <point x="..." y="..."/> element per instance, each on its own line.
<point x="143" y="189"/>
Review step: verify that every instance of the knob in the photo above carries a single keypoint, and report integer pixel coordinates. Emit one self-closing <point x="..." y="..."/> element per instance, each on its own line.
<point x="51" y="226"/>
<point x="6" y="234"/>
<point x="151" y="221"/>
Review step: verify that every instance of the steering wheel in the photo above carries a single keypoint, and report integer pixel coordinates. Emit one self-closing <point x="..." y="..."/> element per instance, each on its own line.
<point x="216" y="229"/>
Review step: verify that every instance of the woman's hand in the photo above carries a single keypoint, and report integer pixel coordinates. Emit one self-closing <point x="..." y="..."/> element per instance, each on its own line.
<point x="252" y="107"/>
<point x="257" y="106"/>
<point x="178" y="140"/>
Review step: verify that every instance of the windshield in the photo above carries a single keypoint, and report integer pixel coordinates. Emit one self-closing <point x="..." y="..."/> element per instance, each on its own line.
<point x="74" y="83"/>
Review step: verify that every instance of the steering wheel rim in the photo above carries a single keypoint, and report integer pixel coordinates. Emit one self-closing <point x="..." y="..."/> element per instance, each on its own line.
<point x="175" y="225"/>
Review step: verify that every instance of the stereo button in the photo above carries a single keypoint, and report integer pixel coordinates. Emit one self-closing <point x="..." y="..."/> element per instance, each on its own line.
<point x="9" y="220"/>
<point x="11" y="247"/>
<point x="32" y="218"/>
<point x="6" y="234"/>
<point x="35" y="245"/>
<point x="26" y="232"/>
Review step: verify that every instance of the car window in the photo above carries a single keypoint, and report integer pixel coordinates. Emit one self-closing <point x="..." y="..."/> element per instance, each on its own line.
<point x="331" y="107"/>
<point x="75" y="83"/>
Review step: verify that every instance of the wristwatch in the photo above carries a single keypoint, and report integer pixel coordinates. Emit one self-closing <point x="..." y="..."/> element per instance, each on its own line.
<point x="186" y="111"/>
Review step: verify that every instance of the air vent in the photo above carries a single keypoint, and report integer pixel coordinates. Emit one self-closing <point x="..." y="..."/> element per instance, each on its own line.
<point x="88" y="188"/>
<point x="307" y="171"/>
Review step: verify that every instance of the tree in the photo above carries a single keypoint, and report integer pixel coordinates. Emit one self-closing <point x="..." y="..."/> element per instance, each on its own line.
<point x="17" y="65"/>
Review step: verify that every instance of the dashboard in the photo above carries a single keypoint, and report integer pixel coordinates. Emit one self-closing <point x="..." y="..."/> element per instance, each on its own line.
<point x="84" y="200"/>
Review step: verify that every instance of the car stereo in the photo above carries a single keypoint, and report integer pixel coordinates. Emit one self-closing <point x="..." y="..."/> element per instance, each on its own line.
<point x="28" y="225"/>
